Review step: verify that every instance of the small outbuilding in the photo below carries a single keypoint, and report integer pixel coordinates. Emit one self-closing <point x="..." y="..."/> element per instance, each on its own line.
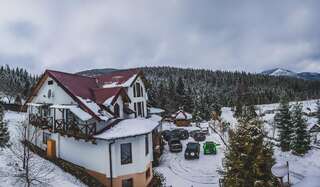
<point x="182" y="118"/>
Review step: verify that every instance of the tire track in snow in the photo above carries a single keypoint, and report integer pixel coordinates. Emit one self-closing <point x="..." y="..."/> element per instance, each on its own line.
<point x="177" y="167"/>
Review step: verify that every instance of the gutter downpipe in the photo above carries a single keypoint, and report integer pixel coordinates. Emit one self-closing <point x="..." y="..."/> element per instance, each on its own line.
<point x="110" y="162"/>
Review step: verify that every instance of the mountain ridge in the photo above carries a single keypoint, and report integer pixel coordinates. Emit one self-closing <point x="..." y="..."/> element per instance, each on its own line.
<point x="289" y="73"/>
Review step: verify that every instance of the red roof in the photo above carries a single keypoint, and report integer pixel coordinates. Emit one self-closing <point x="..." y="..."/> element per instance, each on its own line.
<point x="102" y="94"/>
<point x="78" y="85"/>
<point x="120" y="76"/>
<point x="88" y="87"/>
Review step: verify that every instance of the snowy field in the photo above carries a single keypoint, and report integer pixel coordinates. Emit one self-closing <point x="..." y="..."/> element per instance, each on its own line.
<point x="58" y="178"/>
<point x="304" y="171"/>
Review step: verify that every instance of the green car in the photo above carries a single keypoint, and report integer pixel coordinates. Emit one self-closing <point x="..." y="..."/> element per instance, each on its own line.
<point x="210" y="148"/>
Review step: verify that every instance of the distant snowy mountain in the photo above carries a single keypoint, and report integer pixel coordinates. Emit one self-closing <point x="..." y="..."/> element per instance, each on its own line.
<point x="288" y="73"/>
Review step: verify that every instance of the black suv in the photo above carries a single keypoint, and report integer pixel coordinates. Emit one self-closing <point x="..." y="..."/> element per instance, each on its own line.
<point x="192" y="151"/>
<point x="199" y="137"/>
<point x="175" y="145"/>
<point x="166" y="135"/>
<point x="182" y="134"/>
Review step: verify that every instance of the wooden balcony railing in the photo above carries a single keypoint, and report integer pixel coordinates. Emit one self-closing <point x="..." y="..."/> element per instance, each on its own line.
<point x="40" y="121"/>
<point x="71" y="128"/>
<point x="74" y="129"/>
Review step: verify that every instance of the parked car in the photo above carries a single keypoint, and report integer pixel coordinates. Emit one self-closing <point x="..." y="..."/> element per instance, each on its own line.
<point x="210" y="147"/>
<point x="175" y="145"/>
<point x="192" y="151"/>
<point x="192" y="133"/>
<point x="166" y="135"/>
<point x="181" y="133"/>
<point x="199" y="137"/>
<point x="204" y="128"/>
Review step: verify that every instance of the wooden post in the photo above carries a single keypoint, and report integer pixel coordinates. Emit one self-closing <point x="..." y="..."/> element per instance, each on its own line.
<point x="281" y="181"/>
<point x="288" y="173"/>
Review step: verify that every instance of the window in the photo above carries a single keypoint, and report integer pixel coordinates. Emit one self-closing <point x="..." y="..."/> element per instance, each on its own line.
<point x="45" y="137"/>
<point x="146" y="140"/>
<point x="148" y="173"/>
<point x="137" y="90"/>
<point x="127" y="183"/>
<point x="50" y="82"/>
<point x="135" y="109"/>
<point x="116" y="110"/>
<point x="139" y="108"/>
<point x="126" y="153"/>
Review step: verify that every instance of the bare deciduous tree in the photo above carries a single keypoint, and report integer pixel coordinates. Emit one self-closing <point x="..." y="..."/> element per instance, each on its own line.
<point x="26" y="167"/>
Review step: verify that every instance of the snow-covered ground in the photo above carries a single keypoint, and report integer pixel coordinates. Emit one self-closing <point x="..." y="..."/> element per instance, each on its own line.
<point x="58" y="177"/>
<point x="304" y="171"/>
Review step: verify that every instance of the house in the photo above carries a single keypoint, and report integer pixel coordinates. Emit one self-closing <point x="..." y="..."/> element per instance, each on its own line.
<point x="182" y="118"/>
<point x="98" y="123"/>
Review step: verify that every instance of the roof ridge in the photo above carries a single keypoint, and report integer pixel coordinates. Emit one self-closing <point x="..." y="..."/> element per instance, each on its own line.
<point x="72" y="74"/>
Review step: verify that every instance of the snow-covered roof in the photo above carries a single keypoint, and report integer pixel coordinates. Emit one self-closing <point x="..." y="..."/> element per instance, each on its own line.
<point x="96" y="109"/>
<point x="154" y="110"/>
<point x="183" y="115"/>
<point x="129" y="128"/>
<point x="34" y="104"/>
<point x="125" y="84"/>
<point x="84" y="116"/>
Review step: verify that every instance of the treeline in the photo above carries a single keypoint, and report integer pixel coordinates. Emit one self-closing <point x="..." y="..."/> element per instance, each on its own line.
<point x="15" y="83"/>
<point x="206" y="89"/>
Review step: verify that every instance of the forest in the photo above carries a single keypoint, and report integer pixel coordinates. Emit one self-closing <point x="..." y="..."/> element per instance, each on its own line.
<point x="196" y="90"/>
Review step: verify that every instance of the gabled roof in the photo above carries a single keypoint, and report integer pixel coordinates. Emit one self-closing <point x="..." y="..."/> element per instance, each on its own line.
<point x="86" y="91"/>
<point x="121" y="78"/>
<point x="182" y="115"/>
<point x="107" y="96"/>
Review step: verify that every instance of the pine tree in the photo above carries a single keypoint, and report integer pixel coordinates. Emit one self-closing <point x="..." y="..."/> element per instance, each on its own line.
<point x="248" y="160"/>
<point x="301" y="138"/>
<point x="284" y="125"/>
<point x="4" y="134"/>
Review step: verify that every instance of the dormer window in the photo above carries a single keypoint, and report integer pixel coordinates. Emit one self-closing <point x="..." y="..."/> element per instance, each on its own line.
<point x="137" y="90"/>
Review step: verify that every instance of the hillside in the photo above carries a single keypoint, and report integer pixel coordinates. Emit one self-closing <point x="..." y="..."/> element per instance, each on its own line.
<point x="206" y="90"/>
<point x="288" y="73"/>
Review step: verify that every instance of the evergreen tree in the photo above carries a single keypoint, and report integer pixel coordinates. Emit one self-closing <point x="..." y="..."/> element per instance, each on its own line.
<point x="248" y="160"/>
<point x="4" y="134"/>
<point x="301" y="138"/>
<point x="284" y="125"/>
<point x="238" y="109"/>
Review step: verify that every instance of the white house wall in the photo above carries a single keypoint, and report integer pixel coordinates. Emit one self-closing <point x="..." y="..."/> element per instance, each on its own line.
<point x="96" y="156"/>
<point x="91" y="156"/>
<point x="139" y="159"/>
<point x="60" y="96"/>
<point x="138" y="99"/>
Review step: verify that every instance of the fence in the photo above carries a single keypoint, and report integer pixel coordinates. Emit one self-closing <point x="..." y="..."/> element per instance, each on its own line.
<point x="13" y="107"/>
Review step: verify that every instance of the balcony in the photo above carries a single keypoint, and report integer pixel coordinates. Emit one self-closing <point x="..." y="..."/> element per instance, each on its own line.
<point x="41" y="121"/>
<point x="72" y="128"/>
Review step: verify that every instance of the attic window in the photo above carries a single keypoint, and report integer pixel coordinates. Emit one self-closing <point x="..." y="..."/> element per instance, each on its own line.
<point x="50" y="82"/>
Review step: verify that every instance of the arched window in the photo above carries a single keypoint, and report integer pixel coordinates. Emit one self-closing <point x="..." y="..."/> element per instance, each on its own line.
<point x="137" y="89"/>
<point x="116" y="110"/>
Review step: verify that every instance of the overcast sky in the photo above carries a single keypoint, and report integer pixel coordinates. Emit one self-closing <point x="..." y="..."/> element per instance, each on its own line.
<point x="213" y="34"/>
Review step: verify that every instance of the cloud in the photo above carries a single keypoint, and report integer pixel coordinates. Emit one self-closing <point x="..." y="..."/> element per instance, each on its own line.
<point x="228" y="35"/>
